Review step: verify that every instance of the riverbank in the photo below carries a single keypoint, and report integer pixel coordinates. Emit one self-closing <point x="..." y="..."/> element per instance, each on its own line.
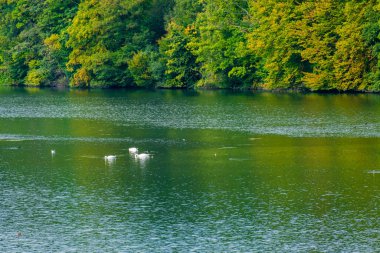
<point x="252" y="89"/>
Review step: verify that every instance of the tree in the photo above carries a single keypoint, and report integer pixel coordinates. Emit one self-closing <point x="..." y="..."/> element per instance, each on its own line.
<point x="275" y="38"/>
<point x="307" y="44"/>
<point x="319" y="41"/>
<point x="221" y="45"/>
<point x="371" y="36"/>
<point x="104" y="36"/>
<point x="24" y="28"/>
<point x="181" y="69"/>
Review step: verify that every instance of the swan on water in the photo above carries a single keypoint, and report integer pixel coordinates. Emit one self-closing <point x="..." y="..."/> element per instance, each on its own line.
<point x="133" y="150"/>
<point x="109" y="157"/>
<point x="142" y="156"/>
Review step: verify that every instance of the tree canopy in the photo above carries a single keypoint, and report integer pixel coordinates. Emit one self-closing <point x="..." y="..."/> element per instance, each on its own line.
<point x="271" y="44"/>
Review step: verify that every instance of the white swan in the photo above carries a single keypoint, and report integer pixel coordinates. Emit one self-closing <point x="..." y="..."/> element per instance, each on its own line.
<point x="110" y="157"/>
<point x="142" y="156"/>
<point x="133" y="150"/>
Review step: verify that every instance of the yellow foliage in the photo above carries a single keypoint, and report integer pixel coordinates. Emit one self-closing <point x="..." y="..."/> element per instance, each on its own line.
<point x="53" y="43"/>
<point x="351" y="53"/>
<point x="313" y="81"/>
<point x="33" y="64"/>
<point x="190" y="30"/>
<point x="81" y="78"/>
<point x="35" y="77"/>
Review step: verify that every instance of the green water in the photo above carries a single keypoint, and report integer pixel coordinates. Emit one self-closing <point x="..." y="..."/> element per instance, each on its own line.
<point x="227" y="172"/>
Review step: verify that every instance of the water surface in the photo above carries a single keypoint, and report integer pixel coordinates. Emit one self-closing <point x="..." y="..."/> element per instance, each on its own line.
<point x="228" y="172"/>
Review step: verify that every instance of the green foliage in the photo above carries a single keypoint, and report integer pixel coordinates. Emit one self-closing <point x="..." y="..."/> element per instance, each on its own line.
<point x="24" y="26"/>
<point x="371" y="37"/>
<point x="220" y="45"/>
<point x="314" y="45"/>
<point x="181" y="69"/>
<point x="145" y="68"/>
<point x="349" y="59"/>
<point x="319" y="42"/>
<point x="319" y="45"/>
<point x="276" y="40"/>
<point x="105" y="35"/>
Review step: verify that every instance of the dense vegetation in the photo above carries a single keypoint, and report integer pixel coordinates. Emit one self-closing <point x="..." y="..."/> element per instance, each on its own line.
<point x="315" y="45"/>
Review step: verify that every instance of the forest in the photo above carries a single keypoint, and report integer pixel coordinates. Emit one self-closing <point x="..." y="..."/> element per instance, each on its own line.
<point x="315" y="45"/>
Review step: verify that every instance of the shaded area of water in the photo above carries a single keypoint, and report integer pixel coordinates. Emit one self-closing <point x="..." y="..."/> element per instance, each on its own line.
<point x="227" y="173"/>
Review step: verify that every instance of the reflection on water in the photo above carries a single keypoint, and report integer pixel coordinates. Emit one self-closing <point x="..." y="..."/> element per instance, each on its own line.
<point x="225" y="173"/>
<point x="264" y="113"/>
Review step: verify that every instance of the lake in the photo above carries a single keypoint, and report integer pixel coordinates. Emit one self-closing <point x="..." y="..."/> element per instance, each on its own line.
<point x="226" y="172"/>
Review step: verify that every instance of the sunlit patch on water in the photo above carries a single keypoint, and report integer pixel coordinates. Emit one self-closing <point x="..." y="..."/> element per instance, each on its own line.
<point x="238" y="159"/>
<point x="373" y="172"/>
<point x="90" y="156"/>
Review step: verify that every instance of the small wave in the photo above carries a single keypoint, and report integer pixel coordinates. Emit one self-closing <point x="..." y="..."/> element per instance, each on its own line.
<point x="254" y="139"/>
<point x="238" y="159"/>
<point x="6" y="137"/>
<point x="91" y="156"/>
<point x="11" y="148"/>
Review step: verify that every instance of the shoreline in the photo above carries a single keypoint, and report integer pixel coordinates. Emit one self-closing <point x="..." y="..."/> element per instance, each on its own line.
<point x="253" y="90"/>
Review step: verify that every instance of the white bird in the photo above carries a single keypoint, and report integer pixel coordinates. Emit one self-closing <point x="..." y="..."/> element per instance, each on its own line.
<point x="142" y="156"/>
<point x="133" y="150"/>
<point x="110" y="157"/>
<point x="52" y="152"/>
